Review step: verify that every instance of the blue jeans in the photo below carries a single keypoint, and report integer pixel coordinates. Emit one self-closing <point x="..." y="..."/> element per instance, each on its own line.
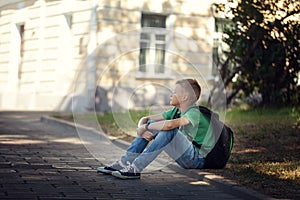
<point x="173" y="142"/>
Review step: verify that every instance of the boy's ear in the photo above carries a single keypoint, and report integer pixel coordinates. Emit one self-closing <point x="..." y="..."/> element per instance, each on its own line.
<point x="185" y="97"/>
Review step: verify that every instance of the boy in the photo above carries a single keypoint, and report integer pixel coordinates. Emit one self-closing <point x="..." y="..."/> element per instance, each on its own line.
<point x="171" y="135"/>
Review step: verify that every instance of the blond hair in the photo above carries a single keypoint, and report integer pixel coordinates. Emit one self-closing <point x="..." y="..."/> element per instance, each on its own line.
<point x="192" y="87"/>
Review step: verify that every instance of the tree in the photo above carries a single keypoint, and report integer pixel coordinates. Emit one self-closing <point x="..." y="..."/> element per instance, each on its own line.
<point x="264" y="51"/>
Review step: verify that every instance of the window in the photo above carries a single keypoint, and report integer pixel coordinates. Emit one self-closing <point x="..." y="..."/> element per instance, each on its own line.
<point x="152" y="45"/>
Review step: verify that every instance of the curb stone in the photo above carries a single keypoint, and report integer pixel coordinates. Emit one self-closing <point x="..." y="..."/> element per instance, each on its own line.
<point x="225" y="185"/>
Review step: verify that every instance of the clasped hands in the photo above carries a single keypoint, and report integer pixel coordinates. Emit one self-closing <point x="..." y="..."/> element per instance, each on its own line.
<point x="141" y="130"/>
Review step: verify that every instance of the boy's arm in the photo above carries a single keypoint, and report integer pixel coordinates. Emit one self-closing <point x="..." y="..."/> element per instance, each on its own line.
<point x="144" y="120"/>
<point x="166" y="124"/>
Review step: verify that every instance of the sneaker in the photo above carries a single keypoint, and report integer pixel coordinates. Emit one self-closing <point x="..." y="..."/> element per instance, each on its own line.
<point x="116" y="166"/>
<point x="129" y="172"/>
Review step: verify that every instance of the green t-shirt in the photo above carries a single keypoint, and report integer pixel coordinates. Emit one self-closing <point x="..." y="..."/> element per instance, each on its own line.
<point x="170" y="114"/>
<point x="199" y="127"/>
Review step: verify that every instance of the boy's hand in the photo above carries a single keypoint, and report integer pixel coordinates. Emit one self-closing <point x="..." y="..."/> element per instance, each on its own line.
<point x="140" y="130"/>
<point x="148" y="135"/>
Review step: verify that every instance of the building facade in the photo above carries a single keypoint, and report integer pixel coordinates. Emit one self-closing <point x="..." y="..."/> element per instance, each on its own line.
<point x="80" y="54"/>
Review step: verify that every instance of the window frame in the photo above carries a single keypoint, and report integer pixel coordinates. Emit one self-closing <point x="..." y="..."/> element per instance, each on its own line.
<point x="151" y="43"/>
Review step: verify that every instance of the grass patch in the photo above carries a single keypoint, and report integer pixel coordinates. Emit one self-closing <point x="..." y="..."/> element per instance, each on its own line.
<point x="266" y="154"/>
<point x="120" y="125"/>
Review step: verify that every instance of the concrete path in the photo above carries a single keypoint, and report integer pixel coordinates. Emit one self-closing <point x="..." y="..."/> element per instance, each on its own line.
<point x="46" y="159"/>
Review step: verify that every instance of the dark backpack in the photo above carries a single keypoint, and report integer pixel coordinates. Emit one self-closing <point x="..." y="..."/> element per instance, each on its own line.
<point x="217" y="158"/>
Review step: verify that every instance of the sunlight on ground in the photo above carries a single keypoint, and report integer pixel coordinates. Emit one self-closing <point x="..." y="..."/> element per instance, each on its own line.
<point x="18" y="139"/>
<point x="6" y="137"/>
<point x="285" y="171"/>
<point x="22" y="139"/>
<point x="252" y="150"/>
<point x="199" y="183"/>
<point x="70" y="141"/>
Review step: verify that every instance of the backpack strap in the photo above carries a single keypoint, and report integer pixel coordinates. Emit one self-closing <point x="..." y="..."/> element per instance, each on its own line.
<point x="207" y="113"/>
<point x="190" y="138"/>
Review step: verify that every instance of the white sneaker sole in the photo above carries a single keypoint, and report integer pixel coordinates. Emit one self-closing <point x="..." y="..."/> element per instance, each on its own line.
<point x="102" y="170"/>
<point x="119" y="175"/>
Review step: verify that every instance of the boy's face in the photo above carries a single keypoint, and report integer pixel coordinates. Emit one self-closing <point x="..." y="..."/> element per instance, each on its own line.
<point x="177" y="96"/>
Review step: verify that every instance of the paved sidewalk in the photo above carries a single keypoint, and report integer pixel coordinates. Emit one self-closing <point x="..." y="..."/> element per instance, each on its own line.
<point x="46" y="159"/>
